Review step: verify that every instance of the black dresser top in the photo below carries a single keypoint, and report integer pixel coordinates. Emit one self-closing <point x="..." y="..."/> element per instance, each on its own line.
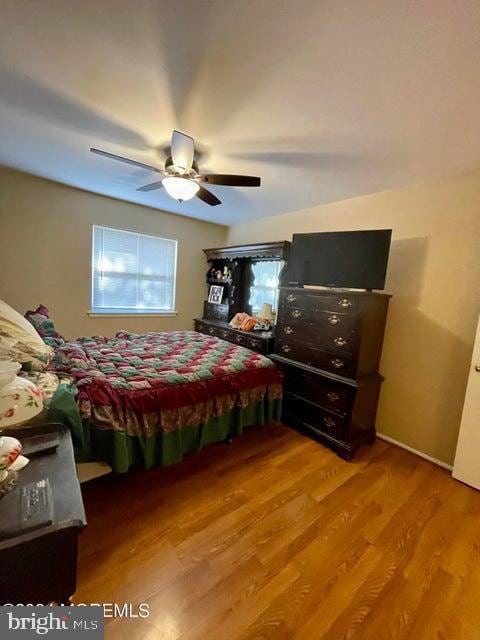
<point x="336" y="292"/>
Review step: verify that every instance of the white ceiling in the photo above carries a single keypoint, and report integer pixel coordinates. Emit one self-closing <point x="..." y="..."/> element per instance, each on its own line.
<point x="324" y="99"/>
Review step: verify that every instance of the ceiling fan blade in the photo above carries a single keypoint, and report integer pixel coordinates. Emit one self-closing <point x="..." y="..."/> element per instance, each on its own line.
<point x="182" y="151"/>
<point x="151" y="187"/>
<point x="208" y="197"/>
<point x="230" y="180"/>
<point x="113" y="156"/>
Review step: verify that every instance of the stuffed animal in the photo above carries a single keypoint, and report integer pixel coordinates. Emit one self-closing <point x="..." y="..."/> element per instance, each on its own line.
<point x="243" y="321"/>
<point x="238" y="319"/>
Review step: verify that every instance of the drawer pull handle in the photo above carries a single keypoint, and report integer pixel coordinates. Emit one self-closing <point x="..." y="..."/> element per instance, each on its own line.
<point x="296" y="313"/>
<point x="333" y="396"/>
<point x="333" y="319"/>
<point x="238" y="339"/>
<point x="345" y="303"/>
<point x="337" y="363"/>
<point x="211" y="331"/>
<point x="340" y="341"/>
<point x="288" y="330"/>
<point x="286" y="348"/>
<point x="329" y="422"/>
<point x="291" y="297"/>
<point x="225" y="334"/>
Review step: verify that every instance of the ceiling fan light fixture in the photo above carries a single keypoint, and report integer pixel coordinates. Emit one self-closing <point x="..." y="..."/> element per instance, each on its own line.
<point x="180" y="188"/>
<point x="182" y="174"/>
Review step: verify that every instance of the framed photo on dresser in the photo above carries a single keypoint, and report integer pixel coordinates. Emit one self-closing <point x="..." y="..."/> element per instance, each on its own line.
<point x="215" y="294"/>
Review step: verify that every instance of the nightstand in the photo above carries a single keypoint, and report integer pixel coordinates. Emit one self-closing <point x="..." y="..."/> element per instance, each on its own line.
<point x="40" y="566"/>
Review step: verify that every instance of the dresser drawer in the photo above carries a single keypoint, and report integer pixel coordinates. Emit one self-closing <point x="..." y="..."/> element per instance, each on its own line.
<point x="345" y="303"/>
<point x="230" y="336"/>
<point x="342" y="365"/>
<point x="262" y="343"/>
<point x="327" y="337"/>
<point x="301" y="412"/>
<point x="330" y="395"/>
<point x="213" y="311"/>
<point x="342" y="343"/>
<point x="212" y="331"/>
<point x="321" y="301"/>
<point x="246" y="341"/>
<point x="323" y="319"/>
<point x="207" y="329"/>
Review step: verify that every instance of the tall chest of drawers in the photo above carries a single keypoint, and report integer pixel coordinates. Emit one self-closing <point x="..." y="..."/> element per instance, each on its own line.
<point x="328" y="344"/>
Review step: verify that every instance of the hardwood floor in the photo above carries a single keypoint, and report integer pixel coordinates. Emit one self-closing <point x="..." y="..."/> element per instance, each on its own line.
<point x="276" y="537"/>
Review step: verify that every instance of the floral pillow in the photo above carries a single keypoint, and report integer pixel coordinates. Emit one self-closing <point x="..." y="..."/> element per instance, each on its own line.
<point x="47" y="382"/>
<point x="42" y="322"/>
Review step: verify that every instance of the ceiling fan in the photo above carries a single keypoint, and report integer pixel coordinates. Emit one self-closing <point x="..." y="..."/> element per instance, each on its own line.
<point x="181" y="174"/>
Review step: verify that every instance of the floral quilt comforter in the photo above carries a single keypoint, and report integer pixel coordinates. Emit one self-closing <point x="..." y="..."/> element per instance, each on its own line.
<point x="159" y="382"/>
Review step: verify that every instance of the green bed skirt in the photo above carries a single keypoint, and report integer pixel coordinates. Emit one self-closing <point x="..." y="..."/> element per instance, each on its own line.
<point x="122" y="451"/>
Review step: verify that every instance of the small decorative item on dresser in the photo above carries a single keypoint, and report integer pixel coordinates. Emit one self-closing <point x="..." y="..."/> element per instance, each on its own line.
<point x="215" y="294"/>
<point x="238" y="319"/>
<point x="10" y="462"/>
<point x="266" y="314"/>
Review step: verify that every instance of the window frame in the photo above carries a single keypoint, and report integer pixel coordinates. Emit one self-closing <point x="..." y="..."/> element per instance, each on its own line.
<point x="111" y="312"/>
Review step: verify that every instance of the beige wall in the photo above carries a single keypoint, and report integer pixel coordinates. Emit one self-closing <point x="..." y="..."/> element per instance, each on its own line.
<point x="45" y="252"/>
<point x="434" y="276"/>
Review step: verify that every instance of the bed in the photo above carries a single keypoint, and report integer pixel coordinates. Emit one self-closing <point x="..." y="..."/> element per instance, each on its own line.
<point x="141" y="399"/>
<point x="147" y="399"/>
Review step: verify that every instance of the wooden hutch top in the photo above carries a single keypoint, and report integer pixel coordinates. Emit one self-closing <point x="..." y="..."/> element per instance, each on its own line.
<point x="278" y="250"/>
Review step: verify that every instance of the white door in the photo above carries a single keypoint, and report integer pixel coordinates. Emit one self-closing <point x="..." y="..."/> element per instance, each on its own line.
<point x="467" y="458"/>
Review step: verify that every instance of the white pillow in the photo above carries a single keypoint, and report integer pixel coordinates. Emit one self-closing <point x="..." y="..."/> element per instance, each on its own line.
<point x="21" y="329"/>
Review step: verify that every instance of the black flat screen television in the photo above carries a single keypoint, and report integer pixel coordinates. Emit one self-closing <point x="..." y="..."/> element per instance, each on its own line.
<point x="343" y="259"/>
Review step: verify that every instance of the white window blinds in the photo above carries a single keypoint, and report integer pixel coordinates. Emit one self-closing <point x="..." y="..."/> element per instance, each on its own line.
<point x="132" y="272"/>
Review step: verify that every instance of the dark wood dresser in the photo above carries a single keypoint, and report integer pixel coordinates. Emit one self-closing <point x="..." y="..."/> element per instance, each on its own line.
<point x="328" y="344"/>
<point x="40" y="566"/>
<point x="238" y="261"/>
<point x="261" y="341"/>
<point x="236" y="287"/>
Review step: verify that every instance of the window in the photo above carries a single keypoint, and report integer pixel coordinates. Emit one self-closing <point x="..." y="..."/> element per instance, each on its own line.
<point x="132" y="272"/>
<point x="265" y="284"/>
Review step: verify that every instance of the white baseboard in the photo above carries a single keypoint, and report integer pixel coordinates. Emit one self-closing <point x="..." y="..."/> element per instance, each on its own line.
<point x="415" y="451"/>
